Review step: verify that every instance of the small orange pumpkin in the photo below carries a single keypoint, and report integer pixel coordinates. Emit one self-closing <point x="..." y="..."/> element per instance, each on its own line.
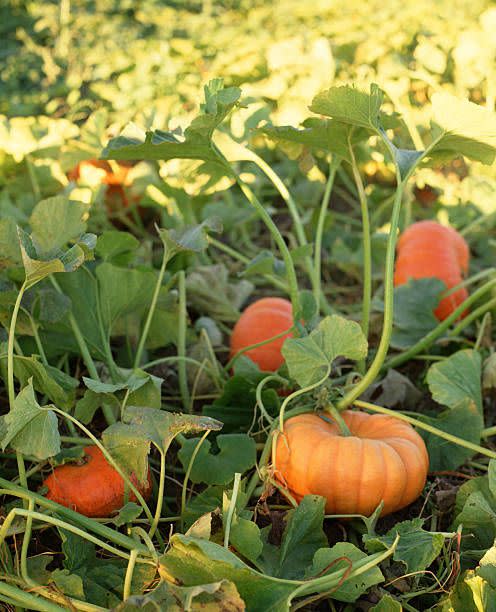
<point x="92" y="487"/>
<point x="384" y="459"/>
<point x="263" y="319"/>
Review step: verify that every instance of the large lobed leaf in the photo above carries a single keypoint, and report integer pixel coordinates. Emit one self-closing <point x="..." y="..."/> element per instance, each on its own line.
<point x="196" y="143"/>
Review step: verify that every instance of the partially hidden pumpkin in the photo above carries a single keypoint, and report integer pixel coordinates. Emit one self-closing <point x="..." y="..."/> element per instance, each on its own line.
<point x="263" y="319"/>
<point x="92" y="486"/>
<point x="384" y="459"/>
<point x="428" y="249"/>
<point x="116" y="181"/>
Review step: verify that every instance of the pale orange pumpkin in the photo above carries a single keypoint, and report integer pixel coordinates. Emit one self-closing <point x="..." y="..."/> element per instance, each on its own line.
<point x="384" y="459"/>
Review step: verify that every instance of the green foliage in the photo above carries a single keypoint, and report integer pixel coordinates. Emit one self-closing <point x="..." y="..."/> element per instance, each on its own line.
<point x="417" y="548"/>
<point x="456" y="383"/>
<point x="235" y="453"/>
<point x="308" y="359"/>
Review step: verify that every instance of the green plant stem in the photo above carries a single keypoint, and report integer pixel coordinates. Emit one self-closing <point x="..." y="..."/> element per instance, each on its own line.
<point x="187" y="475"/>
<point x="10" y="377"/>
<point x="25" y="544"/>
<point x="331" y="581"/>
<point x="336" y="416"/>
<point x="160" y="496"/>
<point x="367" y="248"/>
<point x="9" y="488"/>
<point x="232" y="507"/>
<point x="424" y="343"/>
<point x="279" y="240"/>
<point x="28" y="600"/>
<point x="10" y="346"/>
<point x="85" y="354"/>
<point x="151" y="310"/>
<point x="319" y="232"/>
<point x="235" y="357"/>
<point x="312" y="270"/>
<point x="387" y="326"/>
<point x="473" y="316"/>
<point x="131" y="564"/>
<point x="433" y="430"/>
<point x="488" y="432"/>
<point x="181" y="342"/>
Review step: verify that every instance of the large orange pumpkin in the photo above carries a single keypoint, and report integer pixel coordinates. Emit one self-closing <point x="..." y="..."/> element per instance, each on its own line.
<point x="263" y="319"/>
<point x="428" y="249"/>
<point x="91" y="487"/>
<point x="383" y="460"/>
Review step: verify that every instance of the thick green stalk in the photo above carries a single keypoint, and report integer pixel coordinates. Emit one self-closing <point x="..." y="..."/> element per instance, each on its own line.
<point x="336" y="416"/>
<point x="279" y="240"/>
<point x="367" y="248"/>
<point x="181" y="342"/>
<point x="28" y="600"/>
<point x="421" y="425"/>
<point x="319" y="232"/>
<point x="387" y="327"/>
<point x="9" y="488"/>
<point x="128" y="580"/>
<point x="10" y="346"/>
<point x="151" y="310"/>
<point x="10" y="377"/>
<point x="232" y="507"/>
<point x="188" y="472"/>
<point x="312" y="270"/>
<point x="85" y="354"/>
<point x="473" y="316"/>
<point x="160" y="495"/>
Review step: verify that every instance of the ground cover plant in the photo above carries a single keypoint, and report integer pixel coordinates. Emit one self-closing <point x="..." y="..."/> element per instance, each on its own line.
<point x="246" y="307"/>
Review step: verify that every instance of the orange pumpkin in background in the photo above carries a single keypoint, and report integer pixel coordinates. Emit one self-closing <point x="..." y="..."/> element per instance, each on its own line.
<point x="263" y="319"/>
<point x="115" y="178"/>
<point x="384" y="459"/>
<point x="428" y="249"/>
<point x="92" y="487"/>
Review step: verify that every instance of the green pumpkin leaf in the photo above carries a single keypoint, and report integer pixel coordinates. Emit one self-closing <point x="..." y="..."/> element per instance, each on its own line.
<point x="235" y="453"/>
<point x="196" y="143"/>
<point x="462" y="128"/>
<point x="31" y="429"/>
<point x="341" y="556"/>
<point x="457" y="378"/>
<point x="417" y="548"/>
<point x="302" y="538"/>
<point x="54" y="222"/>
<point x="221" y="595"/>
<point x="456" y="383"/>
<point x="308" y="359"/>
<point x="351" y="106"/>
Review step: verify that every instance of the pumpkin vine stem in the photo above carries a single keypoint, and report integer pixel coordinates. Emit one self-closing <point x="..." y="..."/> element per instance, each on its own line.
<point x="367" y="248"/>
<point x="338" y="419"/>
<point x="426" y="427"/>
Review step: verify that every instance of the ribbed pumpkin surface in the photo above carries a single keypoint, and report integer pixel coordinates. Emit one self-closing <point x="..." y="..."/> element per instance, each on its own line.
<point x="427" y="249"/>
<point x="262" y="320"/>
<point x="384" y="459"/>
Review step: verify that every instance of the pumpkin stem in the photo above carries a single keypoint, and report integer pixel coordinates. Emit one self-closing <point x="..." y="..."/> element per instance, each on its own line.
<point x="336" y="415"/>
